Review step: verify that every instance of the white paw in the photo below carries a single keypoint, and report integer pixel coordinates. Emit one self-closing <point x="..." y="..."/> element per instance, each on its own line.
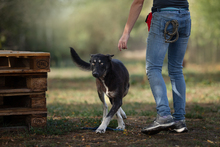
<point x="103" y="126"/>
<point x="101" y="129"/>
<point x="121" y="127"/>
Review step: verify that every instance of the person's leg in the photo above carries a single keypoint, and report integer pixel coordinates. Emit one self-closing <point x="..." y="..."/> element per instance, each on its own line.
<point x="176" y="54"/>
<point x="155" y="54"/>
<point x="175" y="58"/>
<point x="154" y="61"/>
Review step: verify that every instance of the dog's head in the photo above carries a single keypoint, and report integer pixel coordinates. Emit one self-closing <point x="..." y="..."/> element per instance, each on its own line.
<point x="100" y="64"/>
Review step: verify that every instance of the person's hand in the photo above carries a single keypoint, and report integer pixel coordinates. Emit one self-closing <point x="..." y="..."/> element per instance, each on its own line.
<point x="122" y="43"/>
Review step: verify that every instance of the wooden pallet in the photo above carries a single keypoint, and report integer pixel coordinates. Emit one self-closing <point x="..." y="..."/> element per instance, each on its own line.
<point x="22" y="122"/>
<point x="22" y="111"/>
<point x="27" y="82"/>
<point x="23" y="83"/>
<point x="24" y="62"/>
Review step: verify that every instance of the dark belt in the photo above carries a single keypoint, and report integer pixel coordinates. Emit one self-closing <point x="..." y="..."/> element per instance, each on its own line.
<point x="168" y="9"/>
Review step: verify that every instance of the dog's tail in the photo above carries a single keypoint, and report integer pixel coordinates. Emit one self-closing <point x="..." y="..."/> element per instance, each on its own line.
<point x="79" y="62"/>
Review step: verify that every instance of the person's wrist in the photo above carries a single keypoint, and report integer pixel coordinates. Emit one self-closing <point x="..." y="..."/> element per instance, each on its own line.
<point x="126" y="34"/>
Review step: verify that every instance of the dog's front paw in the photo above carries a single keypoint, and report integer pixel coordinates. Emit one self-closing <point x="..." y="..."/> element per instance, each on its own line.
<point x="121" y="127"/>
<point x="100" y="130"/>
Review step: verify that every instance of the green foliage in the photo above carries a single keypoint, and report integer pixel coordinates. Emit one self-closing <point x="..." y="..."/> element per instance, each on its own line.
<point x="205" y="43"/>
<point x="54" y="25"/>
<point x="96" y="26"/>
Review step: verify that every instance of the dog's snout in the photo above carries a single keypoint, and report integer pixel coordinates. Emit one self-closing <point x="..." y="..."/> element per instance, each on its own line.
<point x="95" y="74"/>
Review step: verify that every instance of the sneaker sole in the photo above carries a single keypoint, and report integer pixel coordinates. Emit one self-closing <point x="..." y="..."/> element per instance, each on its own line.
<point x="157" y="129"/>
<point x="184" y="129"/>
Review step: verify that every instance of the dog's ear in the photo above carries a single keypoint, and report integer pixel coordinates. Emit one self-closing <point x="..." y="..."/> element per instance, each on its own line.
<point x="110" y="56"/>
<point x="91" y="57"/>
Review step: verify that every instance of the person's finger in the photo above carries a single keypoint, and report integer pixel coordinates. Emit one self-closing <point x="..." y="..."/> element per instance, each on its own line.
<point x="124" y="45"/>
<point x="119" y="46"/>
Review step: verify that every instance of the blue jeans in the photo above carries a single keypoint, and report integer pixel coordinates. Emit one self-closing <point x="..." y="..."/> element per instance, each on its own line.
<point x="155" y="54"/>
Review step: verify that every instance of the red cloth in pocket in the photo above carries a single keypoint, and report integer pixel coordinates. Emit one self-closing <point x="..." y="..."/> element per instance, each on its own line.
<point x="148" y="20"/>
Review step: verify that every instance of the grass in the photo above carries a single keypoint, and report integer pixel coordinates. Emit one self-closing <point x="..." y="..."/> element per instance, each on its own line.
<point x="73" y="103"/>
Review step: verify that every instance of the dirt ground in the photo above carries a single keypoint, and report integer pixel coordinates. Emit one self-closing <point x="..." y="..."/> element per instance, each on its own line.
<point x="199" y="134"/>
<point x="202" y="116"/>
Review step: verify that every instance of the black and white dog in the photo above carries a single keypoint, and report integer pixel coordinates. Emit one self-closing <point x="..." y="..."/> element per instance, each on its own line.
<point x="112" y="79"/>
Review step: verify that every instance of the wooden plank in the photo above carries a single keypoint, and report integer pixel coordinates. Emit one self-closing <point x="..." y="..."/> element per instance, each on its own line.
<point x="22" y="70"/>
<point x="22" y="53"/>
<point x="21" y="90"/>
<point x="23" y="74"/>
<point x="21" y="111"/>
<point x="20" y="94"/>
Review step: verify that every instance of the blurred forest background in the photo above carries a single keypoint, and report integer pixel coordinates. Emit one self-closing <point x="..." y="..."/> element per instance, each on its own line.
<point x="96" y="26"/>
